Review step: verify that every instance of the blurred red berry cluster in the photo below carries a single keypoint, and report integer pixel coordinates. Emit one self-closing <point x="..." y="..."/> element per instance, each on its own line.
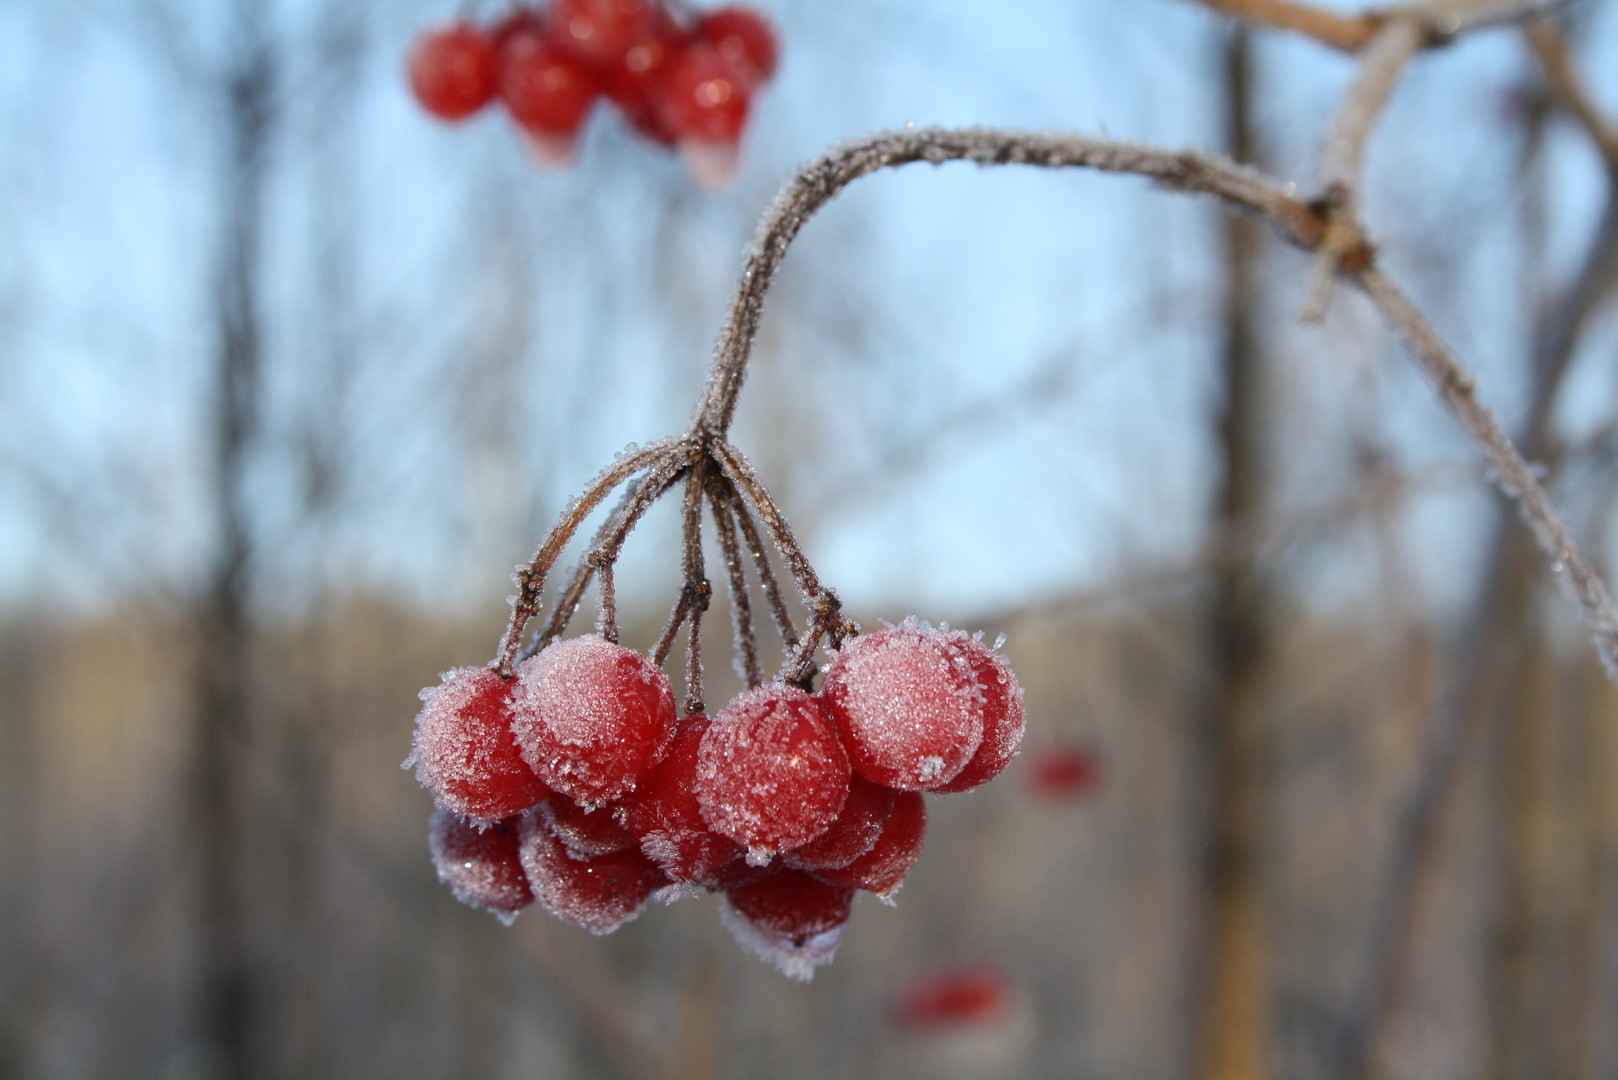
<point x="574" y="784"/>
<point x="679" y="79"/>
<point x="963" y="997"/>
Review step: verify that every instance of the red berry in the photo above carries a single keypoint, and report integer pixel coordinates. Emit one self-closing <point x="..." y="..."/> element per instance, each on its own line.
<point x="634" y="82"/>
<point x="853" y="833"/>
<point x="744" y="38"/>
<point x="464" y="752"/>
<point x="703" y="99"/>
<point x="599" y="894"/>
<point x="481" y="867"/>
<point x="584" y="835"/>
<point x="771" y="774"/>
<point x="592" y="718"/>
<point x="951" y="999"/>
<point x="1003" y="718"/>
<point x="599" y="31"/>
<point x="790" y="919"/>
<point x="1065" y="772"/>
<point x="546" y="90"/>
<point x="664" y="813"/>
<point x="452" y="70"/>
<point x="883" y="868"/>
<point x="907" y="705"/>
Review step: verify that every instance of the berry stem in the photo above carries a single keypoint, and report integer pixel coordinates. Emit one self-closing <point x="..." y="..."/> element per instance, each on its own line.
<point x="741" y="609"/>
<point x="696" y="586"/>
<point x="531" y="578"/>
<point x="766" y="572"/>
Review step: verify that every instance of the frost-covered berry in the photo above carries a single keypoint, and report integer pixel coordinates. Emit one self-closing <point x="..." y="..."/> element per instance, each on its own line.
<point x="592" y="718"/>
<point x="452" y="70"/>
<point x="464" y="752"/>
<point x="1003" y="718"/>
<point x="584" y="835"/>
<point x="480" y="866"/>
<point x="789" y="919"/>
<point x="907" y="705"/>
<point x="664" y="813"/>
<point x="599" y="894"/>
<point x="853" y="833"/>
<point x="883" y="868"/>
<point x="546" y="90"/>
<point x="771" y="774"/>
<point x="744" y="38"/>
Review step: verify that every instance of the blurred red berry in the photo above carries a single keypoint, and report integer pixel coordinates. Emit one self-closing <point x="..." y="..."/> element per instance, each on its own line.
<point x="600" y="31"/>
<point x="592" y="718"/>
<point x="771" y="774"/>
<point x="452" y="70"/>
<point x="703" y="99"/>
<point x="464" y="752"/>
<point x="545" y="89"/>
<point x="634" y="82"/>
<point x="480" y="866"/>
<point x="1064" y="772"/>
<point x="950" y="999"/>
<point x="743" y="37"/>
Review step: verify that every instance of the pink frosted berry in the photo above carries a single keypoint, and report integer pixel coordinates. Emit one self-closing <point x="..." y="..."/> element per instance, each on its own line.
<point x="853" y="833"/>
<point x="599" y="894"/>
<point x="592" y="718"/>
<point x="664" y="813"/>
<point x="464" y="752"/>
<point x="884" y="867"/>
<point x="1003" y="718"/>
<point x="907" y="706"/>
<point x="584" y="835"/>
<point x="771" y="774"/>
<point x="789" y="919"/>
<point x="481" y="867"/>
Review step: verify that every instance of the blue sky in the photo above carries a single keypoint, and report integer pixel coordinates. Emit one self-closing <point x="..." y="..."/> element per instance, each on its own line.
<point x="470" y="338"/>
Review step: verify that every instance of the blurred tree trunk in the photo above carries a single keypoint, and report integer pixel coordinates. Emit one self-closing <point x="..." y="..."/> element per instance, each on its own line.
<point x="22" y="654"/>
<point x="1233" y="1032"/>
<point x="225" y="997"/>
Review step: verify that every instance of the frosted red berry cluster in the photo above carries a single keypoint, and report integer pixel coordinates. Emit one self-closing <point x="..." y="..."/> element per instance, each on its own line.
<point x="677" y="78"/>
<point x="574" y="784"/>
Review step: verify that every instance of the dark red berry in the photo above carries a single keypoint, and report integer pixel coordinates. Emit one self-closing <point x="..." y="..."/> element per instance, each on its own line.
<point x="599" y="31"/>
<point x="464" y="752"/>
<point x="546" y="90"/>
<point x="790" y="919"/>
<point x="882" y="869"/>
<point x="1003" y="718"/>
<point x="853" y="833"/>
<point x="771" y="774"/>
<point x="452" y="70"/>
<point x="744" y="38"/>
<point x="664" y="813"/>
<point x="953" y="999"/>
<point x="584" y="835"/>
<point x="907" y="705"/>
<point x="1064" y="772"/>
<point x="703" y="99"/>
<point x="592" y="718"/>
<point x="599" y="894"/>
<point x="480" y="866"/>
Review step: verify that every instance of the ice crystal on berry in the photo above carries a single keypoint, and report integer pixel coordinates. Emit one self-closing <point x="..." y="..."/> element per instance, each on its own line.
<point x="464" y="752"/>
<point x="480" y="866"/>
